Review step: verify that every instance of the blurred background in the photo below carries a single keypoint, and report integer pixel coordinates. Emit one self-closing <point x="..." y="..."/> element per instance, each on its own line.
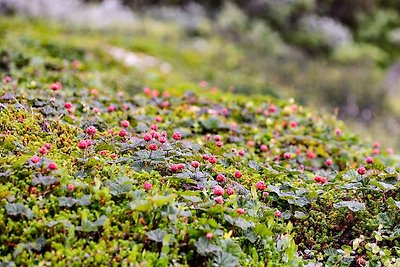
<point x="340" y="56"/>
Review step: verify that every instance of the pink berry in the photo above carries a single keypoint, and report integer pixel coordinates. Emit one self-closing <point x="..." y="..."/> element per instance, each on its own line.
<point x="43" y="150"/>
<point x="320" y="179"/>
<point x="7" y="79"/>
<point x="82" y="144"/>
<point x="263" y="148"/>
<point x="217" y="138"/>
<point x="195" y="164"/>
<point x="154" y="127"/>
<point x="162" y="140"/>
<point x="272" y="108"/>
<point x="218" y="190"/>
<point x="208" y="137"/>
<point x="147" y="137"/>
<point x="122" y="133"/>
<point x="47" y="145"/>
<point x="176" y="136"/>
<point x="287" y="155"/>
<point x="89" y="142"/>
<point x="164" y="104"/>
<point x="91" y="130"/>
<point x="361" y="170"/>
<point x="238" y="174"/>
<point x="70" y="187"/>
<point x="278" y="213"/>
<point x="240" y="211"/>
<point x="265" y="194"/>
<point x="369" y="160"/>
<point x="111" y="108"/>
<point x="375" y="151"/>
<point x="147" y="186"/>
<point x="147" y="91"/>
<point x="328" y="162"/>
<point x="56" y="86"/>
<point x="376" y="144"/>
<point x="103" y="152"/>
<point x="35" y="159"/>
<point x="221" y="178"/>
<point x="96" y="110"/>
<point x="219" y="200"/>
<point x="212" y="159"/>
<point x="209" y="236"/>
<point x="250" y="143"/>
<point x="293" y="124"/>
<point x="125" y="123"/>
<point x="241" y="152"/>
<point x="52" y="166"/>
<point x="261" y="186"/>
<point x="219" y="144"/>
<point x="113" y="156"/>
<point x="389" y="151"/>
<point x="158" y="119"/>
<point x="153" y="147"/>
<point x="67" y="105"/>
<point x="338" y="132"/>
<point x="230" y="191"/>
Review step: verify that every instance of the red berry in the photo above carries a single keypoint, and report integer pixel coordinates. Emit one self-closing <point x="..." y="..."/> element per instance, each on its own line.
<point x="113" y="156"/>
<point x="147" y="137"/>
<point x="218" y="190"/>
<point x="82" y="144"/>
<point x="263" y="148"/>
<point x="91" y="130"/>
<point x="209" y="236"/>
<point x="153" y="147"/>
<point x="362" y="170"/>
<point x="35" y="159"/>
<point x="240" y="211"/>
<point x="125" y="123"/>
<point x="250" y="143"/>
<point x="67" y="105"/>
<point x="70" y="187"/>
<point x="52" y="166"/>
<point x="154" y="127"/>
<point x="122" y="133"/>
<point x="272" y="108"/>
<point x="89" y="142"/>
<point x="219" y="200"/>
<point x="195" y="164"/>
<point x="311" y="155"/>
<point x="287" y="155"/>
<point x="241" y="152"/>
<point x="56" y="86"/>
<point x="176" y="136"/>
<point x="369" y="160"/>
<point x="238" y="174"/>
<point x="221" y="178"/>
<point x="162" y="139"/>
<point x="103" y="152"/>
<point x="219" y="144"/>
<point x="230" y="191"/>
<point x="147" y="186"/>
<point x="320" y="179"/>
<point x="328" y="162"/>
<point x="261" y="186"/>
<point x="43" y="150"/>
<point x="217" y="138"/>
<point x="111" y="108"/>
<point x="212" y="159"/>
<point x="158" y="119"/>
<point x="47" y="145"/>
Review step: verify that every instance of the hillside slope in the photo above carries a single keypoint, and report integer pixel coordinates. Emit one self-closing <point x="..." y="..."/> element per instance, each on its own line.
<point x="181" y="174"/>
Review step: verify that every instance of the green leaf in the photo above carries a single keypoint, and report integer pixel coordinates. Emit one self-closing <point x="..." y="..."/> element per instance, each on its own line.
<point x="44" y="180"/>
<point x="351" y="175"/>
<point x="224" y="259"/>
<point x="15" y="209"/>
<point x="156" y="235"/>
<point x="352" y="205"/>
<point x="262" y="230"/>
<point x="204" y="246"/>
